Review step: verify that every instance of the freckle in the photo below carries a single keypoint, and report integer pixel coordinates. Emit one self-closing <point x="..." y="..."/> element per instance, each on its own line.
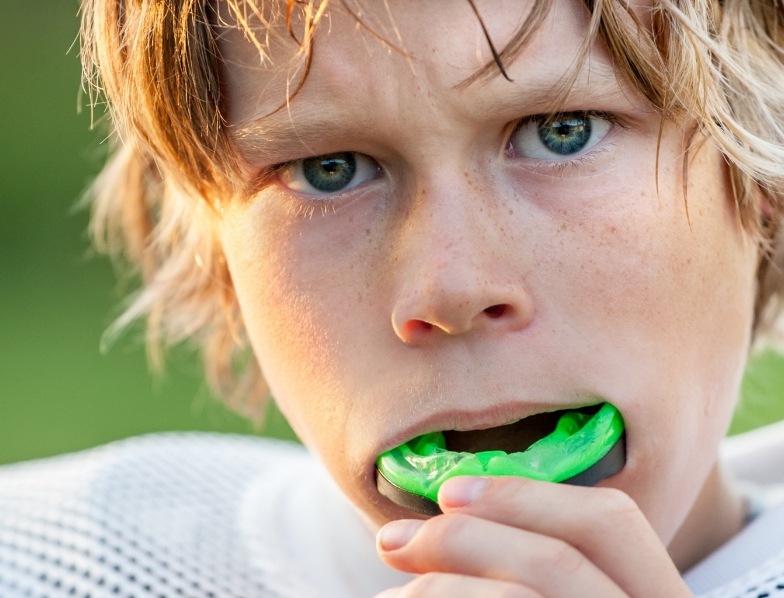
<point x="367" y="232"/>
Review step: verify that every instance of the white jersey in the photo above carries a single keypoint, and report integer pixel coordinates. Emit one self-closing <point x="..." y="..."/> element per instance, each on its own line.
<point x="751" y="565"/>
<point x="213" y="516"/>
<point x="183" y="515"/>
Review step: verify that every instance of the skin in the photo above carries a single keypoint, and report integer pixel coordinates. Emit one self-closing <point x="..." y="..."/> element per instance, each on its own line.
<point x="462" y="285"/>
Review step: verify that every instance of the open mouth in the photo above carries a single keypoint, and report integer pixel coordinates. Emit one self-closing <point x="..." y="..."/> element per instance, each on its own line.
<point x="579" y="446"/>
<point x="511" y="438"/>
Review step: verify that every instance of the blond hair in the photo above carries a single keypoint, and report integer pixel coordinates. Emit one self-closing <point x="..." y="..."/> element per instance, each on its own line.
<point x="719" y="63"/>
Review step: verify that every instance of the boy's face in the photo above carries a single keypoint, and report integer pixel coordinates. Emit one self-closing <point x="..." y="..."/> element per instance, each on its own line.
<point x="448" y="269"/>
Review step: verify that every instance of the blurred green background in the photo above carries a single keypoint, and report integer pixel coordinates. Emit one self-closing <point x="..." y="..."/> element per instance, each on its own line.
<point x="59" y="393"/>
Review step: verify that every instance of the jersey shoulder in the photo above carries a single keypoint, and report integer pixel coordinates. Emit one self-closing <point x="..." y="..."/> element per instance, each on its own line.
<point x="158" y="515"/>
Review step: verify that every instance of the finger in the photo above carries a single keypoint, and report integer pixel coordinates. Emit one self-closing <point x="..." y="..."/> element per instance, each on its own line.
<point x="602" y="523"/>
<point x="447" y="585"/>
<point x="461" y="544"/>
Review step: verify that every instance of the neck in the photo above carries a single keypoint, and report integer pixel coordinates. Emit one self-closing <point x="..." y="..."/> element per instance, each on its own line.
<point x="718" y="514"/>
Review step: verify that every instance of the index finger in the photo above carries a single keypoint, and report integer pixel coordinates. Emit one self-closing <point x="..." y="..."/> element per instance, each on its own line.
<point x="604" y="524"/>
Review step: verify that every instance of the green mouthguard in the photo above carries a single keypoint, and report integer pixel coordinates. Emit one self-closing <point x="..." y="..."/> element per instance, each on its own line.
<point x="578" y="443"/>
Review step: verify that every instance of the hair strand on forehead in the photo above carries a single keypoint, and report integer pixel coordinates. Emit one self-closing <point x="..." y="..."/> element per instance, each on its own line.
<point x="496" y="56"/>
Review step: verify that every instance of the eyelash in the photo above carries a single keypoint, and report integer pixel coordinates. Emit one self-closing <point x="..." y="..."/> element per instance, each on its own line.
<point x="561" y="166"/>
<point x="305" y="209"/>
<point x="299" y="206"/>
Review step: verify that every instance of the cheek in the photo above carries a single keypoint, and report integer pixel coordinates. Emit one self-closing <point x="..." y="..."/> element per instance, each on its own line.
<point x="304" y="315"/>
<point x="675" y="275"/>
<point x="668" y="300"/>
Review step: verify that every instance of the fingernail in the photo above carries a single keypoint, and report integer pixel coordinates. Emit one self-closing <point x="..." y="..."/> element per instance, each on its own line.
<point x="397" y="534"/>
<point x="390" y="593"/>
<point x="462" y="491"/>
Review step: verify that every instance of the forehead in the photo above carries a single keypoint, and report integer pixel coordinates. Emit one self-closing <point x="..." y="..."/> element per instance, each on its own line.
<point x="386" y="54"/>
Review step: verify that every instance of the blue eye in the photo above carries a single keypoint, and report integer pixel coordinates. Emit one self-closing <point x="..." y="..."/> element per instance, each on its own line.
<point x="328" y="173"/>
<point x="565" y="135"/>
<point x="556" y="136"/>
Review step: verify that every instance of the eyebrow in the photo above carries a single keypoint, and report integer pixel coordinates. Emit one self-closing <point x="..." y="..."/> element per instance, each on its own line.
<point x="285" y="134"/>
<point x="538" y="97"/>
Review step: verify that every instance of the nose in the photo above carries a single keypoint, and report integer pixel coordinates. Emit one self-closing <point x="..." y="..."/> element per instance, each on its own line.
<point x="461" y="271"/>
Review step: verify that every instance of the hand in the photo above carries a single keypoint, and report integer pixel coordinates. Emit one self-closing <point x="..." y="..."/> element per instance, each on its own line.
<point x="515" y="537"/>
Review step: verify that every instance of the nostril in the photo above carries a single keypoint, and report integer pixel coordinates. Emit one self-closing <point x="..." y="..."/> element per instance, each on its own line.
<point x="414" y="326"/>
<point x="496" y="311"/>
